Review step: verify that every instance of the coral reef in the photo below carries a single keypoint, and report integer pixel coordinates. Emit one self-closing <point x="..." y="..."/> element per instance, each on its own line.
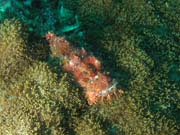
<point x="137" y="43"/>
<point x="87" y="125"/>
<point x="13" y="57"/>
<point x="28" y="107"/>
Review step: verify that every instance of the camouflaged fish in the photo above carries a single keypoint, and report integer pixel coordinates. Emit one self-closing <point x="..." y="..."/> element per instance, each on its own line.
<point x="85" y="68"/>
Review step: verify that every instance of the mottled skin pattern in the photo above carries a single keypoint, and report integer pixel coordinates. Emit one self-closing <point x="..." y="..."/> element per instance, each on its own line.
<point x="85" y="68"/>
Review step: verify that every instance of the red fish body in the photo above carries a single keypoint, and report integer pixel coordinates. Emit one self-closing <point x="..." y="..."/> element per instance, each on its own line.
<point x="86" y="69"/>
